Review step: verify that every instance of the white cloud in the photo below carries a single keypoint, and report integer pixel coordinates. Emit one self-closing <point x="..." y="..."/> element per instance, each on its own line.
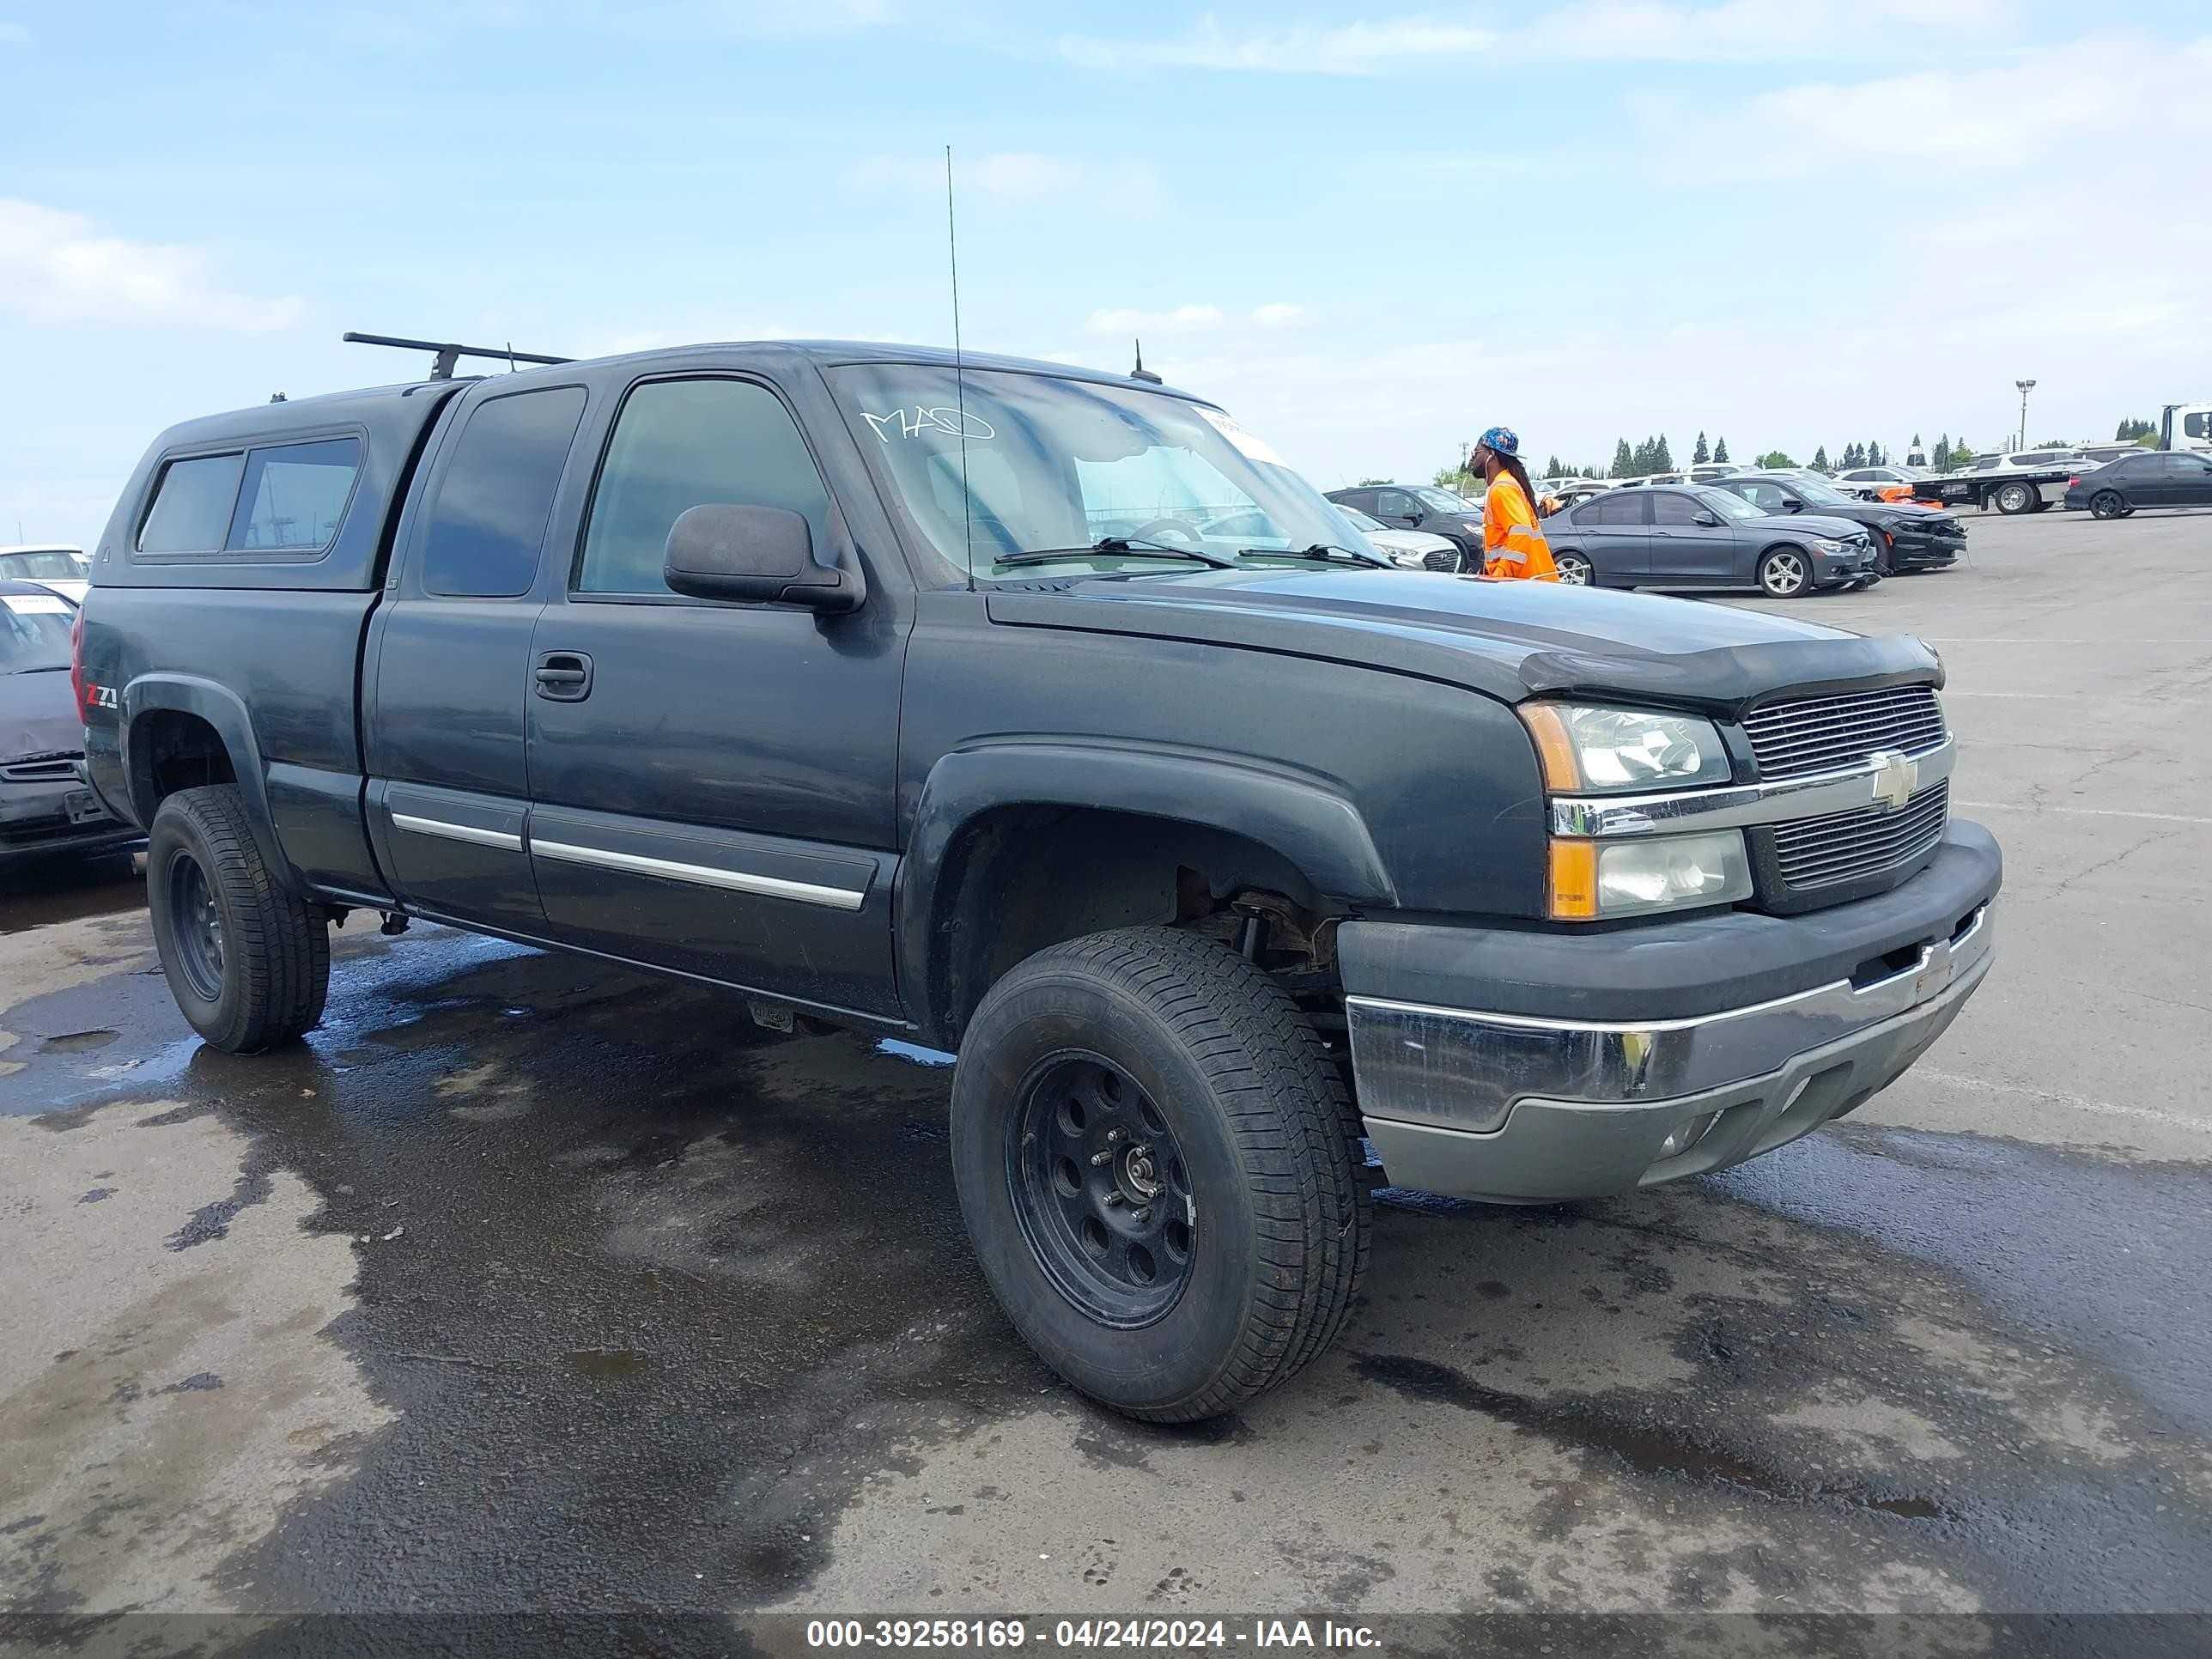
<point x="56" y="265"/>
<point x="1183" y="320"/>
<point x="1279" y="314"/>
<point x="1662" y="30"/>
<point x="1017" y="179"/>
<point x="2096" y="109"/>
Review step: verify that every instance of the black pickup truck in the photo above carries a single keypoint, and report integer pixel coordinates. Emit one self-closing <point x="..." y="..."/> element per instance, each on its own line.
<point x="935" y="701"/>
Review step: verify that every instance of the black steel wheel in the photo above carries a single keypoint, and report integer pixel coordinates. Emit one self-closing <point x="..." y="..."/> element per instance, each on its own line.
<point x="248" y="959"/>
<point x="1159" y="1169"/>
<point x="1101" y="1189"/>
<point x="195" y="923"/>
<point x="2107" y="504"/>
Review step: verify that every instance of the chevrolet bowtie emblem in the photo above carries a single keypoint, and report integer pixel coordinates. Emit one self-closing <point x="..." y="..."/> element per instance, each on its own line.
<point x="1896" y="777"/>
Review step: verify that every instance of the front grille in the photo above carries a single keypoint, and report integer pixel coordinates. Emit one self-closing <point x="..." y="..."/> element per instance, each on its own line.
<point x="1823" y="734"/>
<point x="1443" y="560"/>
<point x="1816" y="853"/>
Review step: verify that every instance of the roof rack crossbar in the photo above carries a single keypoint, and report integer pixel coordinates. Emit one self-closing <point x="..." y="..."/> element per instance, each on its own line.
<point x="449" y="354"/>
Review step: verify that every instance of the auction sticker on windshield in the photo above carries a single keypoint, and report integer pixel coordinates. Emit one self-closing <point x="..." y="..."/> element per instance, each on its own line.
<point x="35" y="605"/>
<point x="1250" y="447"/>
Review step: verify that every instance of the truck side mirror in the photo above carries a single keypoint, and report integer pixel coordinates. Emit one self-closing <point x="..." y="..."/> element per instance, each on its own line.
<point x="753" y="555"/>
<point x="1793" y="504"/>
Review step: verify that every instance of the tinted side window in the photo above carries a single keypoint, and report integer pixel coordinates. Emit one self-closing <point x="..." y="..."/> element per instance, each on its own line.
<point x="295" y="495"/>
<point x="1670" y="508"/>
<point x="191" y="505"/>
<point x="2196" y="426"/>
<point x="1615" y="508"/>
<point x="682" y="444"/>
<point x="489" y="520"/>
<point x="1393" y="503"/>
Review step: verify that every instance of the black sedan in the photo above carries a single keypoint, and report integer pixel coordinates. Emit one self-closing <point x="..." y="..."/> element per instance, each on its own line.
<point x="1421" y="507"/>
<point x="2151" y="478"/>
<point x="1701" y="536"/>
<point x="1905" y="538"/>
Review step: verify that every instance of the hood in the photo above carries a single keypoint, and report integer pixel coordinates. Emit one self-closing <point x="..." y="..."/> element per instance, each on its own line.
<point x="1836" y="524"/>
<point x="38" y="715"/>
<point x="1510" y="640"/>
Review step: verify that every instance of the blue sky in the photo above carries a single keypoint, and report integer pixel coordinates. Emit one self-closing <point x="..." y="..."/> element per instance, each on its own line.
<point x="1370" y="232"/>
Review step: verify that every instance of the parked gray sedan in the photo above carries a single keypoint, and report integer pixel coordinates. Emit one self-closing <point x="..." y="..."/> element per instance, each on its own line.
<point x="1693" y="536"/>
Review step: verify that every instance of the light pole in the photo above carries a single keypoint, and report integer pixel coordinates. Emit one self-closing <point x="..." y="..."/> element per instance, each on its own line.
<point x="2026" y="387"/>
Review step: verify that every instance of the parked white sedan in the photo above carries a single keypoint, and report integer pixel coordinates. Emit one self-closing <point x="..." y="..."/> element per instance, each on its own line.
<point x="1412" y="549"/>
<point x="64" y="569"/>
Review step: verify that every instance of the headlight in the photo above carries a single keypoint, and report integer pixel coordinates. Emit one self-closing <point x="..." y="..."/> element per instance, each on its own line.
<point x="1599" y="880"/>
<point x="1610" y="750"/>
<point x="1829" y="547"/>
<point x="1404" y="560"/>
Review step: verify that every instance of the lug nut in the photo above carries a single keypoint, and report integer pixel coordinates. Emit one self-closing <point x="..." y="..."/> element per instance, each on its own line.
<point x="1142" y="1213"/>
<point x="1112" y="1198"/>
<point x="1114" y="1137"/>
<point x="1100" y="1159"/>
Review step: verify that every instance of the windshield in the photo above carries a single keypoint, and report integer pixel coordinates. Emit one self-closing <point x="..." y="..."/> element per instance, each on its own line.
<point x="1442" y="500"/>
<point x="1056" y="466"/>
<point x="1729" y="504"/>
<point x="1821" y="494"/>
<point x="1359" y="520"/>
<point x="34" y="632"/>
<point x="54" y="564"/>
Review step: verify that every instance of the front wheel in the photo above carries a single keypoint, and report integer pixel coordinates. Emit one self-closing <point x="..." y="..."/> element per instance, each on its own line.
<point x="2107" y="504"/>
<point x="248" y="962"/>
<point x="1783" y="573"/>
<point x="1574" y="570"/>
<point x="1158" y="1168"/>
<point x="2017" y="498"/>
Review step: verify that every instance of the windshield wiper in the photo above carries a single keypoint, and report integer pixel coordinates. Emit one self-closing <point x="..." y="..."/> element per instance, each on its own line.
<point x="1115" y="545"/>
<point x="1326" y="550"/>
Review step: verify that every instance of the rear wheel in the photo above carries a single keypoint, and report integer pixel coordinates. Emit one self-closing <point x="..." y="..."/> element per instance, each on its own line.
<point x="1574" y="570"/>
<point x="2016" y="497"/>
<point x="1158" y="1168"/>
<point x="2107" y="504"/>
<point x="1783" y="573"/>
<point x="248" y="962"/>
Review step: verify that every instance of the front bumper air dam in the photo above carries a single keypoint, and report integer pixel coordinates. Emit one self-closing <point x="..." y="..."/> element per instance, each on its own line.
<point x="1515" y="1110"/>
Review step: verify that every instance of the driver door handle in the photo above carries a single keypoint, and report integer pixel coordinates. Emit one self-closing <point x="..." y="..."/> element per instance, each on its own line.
<point x="563" y="676"/>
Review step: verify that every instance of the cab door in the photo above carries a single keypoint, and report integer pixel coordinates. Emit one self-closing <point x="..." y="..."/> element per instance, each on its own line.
<point x="447" y="661"/>
<point x="711" y="783"/>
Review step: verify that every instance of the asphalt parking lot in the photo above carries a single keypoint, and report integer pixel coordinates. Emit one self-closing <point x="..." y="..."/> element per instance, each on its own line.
<point x="527" y="1283"/>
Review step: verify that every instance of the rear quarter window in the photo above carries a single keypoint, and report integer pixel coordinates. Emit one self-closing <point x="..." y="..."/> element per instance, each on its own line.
<point x="267" y="499"/>
<point x="191" y="505"/>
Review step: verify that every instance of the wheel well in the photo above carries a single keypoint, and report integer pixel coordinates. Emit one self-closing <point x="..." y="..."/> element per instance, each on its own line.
<point x="1020" y="879"/>
<point x="170" y="751"/>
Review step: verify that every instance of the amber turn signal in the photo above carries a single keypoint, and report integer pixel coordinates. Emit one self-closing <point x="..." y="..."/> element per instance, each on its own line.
<point x="1572" y="888"/>
<point x="1555" y="749"/>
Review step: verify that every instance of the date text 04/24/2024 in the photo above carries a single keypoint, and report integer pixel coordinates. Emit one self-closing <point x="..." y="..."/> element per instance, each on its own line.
<point x="1282" y="1635"/>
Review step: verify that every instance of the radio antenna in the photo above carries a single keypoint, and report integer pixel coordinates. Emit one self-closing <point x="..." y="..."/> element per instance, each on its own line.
<point x="959" y="375"/>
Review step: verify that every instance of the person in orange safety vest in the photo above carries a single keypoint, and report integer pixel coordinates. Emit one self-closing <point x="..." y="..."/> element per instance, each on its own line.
<point x="1512" y="545"/>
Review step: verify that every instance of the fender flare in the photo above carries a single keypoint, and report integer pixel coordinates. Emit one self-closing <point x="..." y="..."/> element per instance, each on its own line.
<point x="1316" y="829"/>
<point x="226" y="711"/>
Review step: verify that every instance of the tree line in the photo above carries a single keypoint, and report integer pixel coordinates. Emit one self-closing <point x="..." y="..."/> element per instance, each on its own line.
<point x="1654" y="455"/>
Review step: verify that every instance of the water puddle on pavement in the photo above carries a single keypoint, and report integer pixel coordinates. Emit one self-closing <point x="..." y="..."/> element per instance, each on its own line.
<point x="1647" y="1447"/>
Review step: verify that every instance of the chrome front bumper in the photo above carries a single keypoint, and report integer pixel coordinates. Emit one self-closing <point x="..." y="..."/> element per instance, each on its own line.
<point x="1516" y="1109"/>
